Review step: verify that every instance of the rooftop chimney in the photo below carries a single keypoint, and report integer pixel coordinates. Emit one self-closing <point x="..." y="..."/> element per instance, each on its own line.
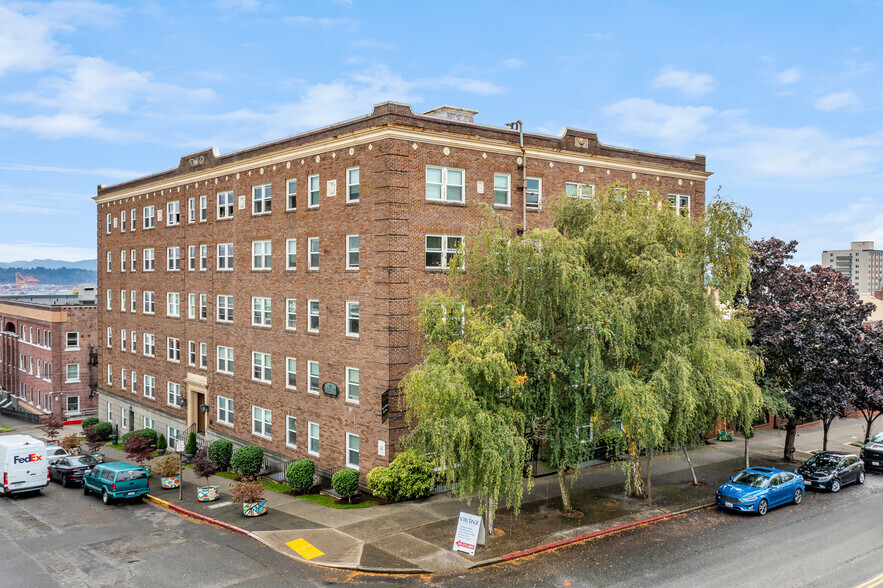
<point x="452" y="113"/>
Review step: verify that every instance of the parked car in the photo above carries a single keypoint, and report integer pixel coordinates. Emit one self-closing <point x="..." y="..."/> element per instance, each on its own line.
<point x="116" y="480"/>
<point x="832" y="470"/>
<point x="872" y="453"/>
<point x="71" y="469"/>
<point x="759" y="489"/>
<point x="22" y="464"/>
<point x="54" y="453"/>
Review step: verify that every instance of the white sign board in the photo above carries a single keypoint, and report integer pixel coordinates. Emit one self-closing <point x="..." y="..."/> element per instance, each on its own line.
<point x="470" y="532"/>
<point x="179" y="446"/>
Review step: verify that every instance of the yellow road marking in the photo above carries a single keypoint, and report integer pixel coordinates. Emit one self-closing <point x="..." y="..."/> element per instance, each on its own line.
<point x="872" y="583"/>
<point x="304" y="549"/>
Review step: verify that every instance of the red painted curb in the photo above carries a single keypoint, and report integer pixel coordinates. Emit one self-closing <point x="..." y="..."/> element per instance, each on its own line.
<point x="205" y="518"/>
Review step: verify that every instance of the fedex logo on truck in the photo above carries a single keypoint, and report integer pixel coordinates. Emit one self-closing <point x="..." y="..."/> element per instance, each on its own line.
<point x="27" y="458"/>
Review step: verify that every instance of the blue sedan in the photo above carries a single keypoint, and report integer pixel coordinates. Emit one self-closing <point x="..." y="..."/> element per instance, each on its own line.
<point x="760" y="489"/>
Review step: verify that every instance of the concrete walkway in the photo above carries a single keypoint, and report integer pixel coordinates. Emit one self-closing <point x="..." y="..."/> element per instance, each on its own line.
<point x="417" y="536"/>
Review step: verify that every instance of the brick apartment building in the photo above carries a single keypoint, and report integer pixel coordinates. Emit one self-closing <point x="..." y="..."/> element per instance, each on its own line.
<point x="268" y="296"/>
<point x="45" y="359"/>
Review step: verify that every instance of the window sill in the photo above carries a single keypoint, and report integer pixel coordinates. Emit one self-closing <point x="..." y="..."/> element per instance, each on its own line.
<point x="263" y="382"/>
<point x="71" y="348"/>
<point x="292" y="388"/>
<point x="315" y="333"/>
<point x="261" y="213"/>
<point x="348" y="202"/>
<point x="261" y="269"/>
<point x="262" y="326"/>
<point x="313" y="393"/>
<point x="503" y="206"/>
<point x="223" y="218"/>
<point x="352" y="269"/>
<point x="290" y="446"/>
<point x="71" y="381"/>
<point x="351" y="402"/>
<point x="225" y="423"/>
<point x="261" y="436"/>
<point x="446" y="203"/>
<point x="313" y="454"/>
<point x="352" y="337"/>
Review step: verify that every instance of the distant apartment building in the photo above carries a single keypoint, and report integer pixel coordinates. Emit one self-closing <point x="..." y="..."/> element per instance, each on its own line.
<point x="861" y="263"/>
<point x="268" y="296"/>
<point x="47" y="352"/>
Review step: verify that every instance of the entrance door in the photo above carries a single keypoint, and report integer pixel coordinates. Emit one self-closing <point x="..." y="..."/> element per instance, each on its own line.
<point x="200" y="416"/>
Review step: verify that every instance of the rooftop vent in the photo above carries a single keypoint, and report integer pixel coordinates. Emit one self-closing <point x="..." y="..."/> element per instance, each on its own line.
<point x="86" y="293"/>
<point x="452" y="113"/>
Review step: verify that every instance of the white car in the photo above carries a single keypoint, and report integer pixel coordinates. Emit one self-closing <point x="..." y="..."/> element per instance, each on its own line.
<point x="54" y="453"/>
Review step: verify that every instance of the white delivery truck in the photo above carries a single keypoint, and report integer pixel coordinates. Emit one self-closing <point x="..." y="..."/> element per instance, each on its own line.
<point x="23" y="464"/>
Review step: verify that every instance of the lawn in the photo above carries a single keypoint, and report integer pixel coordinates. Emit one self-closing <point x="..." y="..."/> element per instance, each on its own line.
<point x="328" y="501"/>
<point x="5" y="429"/>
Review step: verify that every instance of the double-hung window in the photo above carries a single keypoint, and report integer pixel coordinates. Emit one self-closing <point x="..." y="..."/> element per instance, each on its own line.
<point x="291" y="431"/>
<point x="109" y="267"/>
<point x="261" y="367"/>
<point x="352" y="252"/>
<point x="502" y="190"/>
<point x="173" y="304"/>
<point x="225" y="359"/>
<point x="173" y="259"/>
<point x="260" y="199"/>
<point x="579" y="190"/>
<point x="313" y="253"/>
<point x="291" y="314"/>
<point x="533" y="193"/>
<point x="124" y="341"/>
<point x="173" y="394"/>
<point x="352" y="184"/>
<point x="225" y="410"/>
<point x="352" y="319"/>
<point x="441" y="249"/>
<point x="352" y="451"/>
<point x="124" y="380"/>
<point x="291" y="254"/>
<point x="122" y="221"/>
<point x="203" y="209"/>
<point x="148" y="259"/>
<point x="173" y="213"/>
<point x="191" y="306"/>
<point x="149" y="386"/>
<point x="313" y="384"/>
<point x="291" y="195"/>
<point x="291" y="372"/>
<point x="108" y="299"/>
<point x="313" y="309"/>
<point x="261" y="421"/>
<point x="225" y="256"/>
<point x="191" y="353"/>
<point x="191" y="258"/>
<point x="134" y="341"/>
<point x="260" y="311"/>
<point x="123" y="260"/>
<point x="149" y="302"/>
<point x="203" y="355"/>
<point x="225" y="205"/>
<point x="173" y="349"/>
<point x="225" y="308"/>
<point x="133" y="260"/>
<point x="203" y="258"/>
<point x="132" y="219"/>
<point x="203" y="307"/>
<point x="191" y="210"/>
<point x="109" y="337"/>
<point x="109" y="223"/>
<point x="444" y="184"/>
<point x="109" y="375"/>
<point x="72" y="340"/>
<point x="149" y="344"/>
<point x="149" y="215"/>
<point x="123" y="301"/>
<point x="313" y="445"/>
<point x="352" y="384"/>
<point x="72" y="372"/>
<point x="313" y="191"/>
<point x="680" y="203"/>
<point x="261" y="253"/>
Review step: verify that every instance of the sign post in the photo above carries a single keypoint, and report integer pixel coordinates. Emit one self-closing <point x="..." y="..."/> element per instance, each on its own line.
<point x="179" y="447"/>
<point x="470" y="532"/>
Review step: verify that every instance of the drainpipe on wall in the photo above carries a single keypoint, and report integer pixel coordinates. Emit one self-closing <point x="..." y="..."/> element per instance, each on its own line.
<point x="520" y="126"/>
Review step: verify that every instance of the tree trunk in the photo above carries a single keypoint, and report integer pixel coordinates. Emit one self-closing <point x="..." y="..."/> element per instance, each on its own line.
<point x="635" y="481"/>
<point x="567" y="506"/>
<point x="746" y="453"/>
<point x="649" y="486"/>
<point x="690" y="463"/>
<point x="790" y="436"/>
<point x="489" y="520"/>
<point x="826" y="424"/>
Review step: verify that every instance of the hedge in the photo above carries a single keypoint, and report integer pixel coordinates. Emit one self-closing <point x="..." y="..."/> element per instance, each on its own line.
<point x="345" y="482"/>
<point x="90" y="422"/>
<point x="104" y="429"/>
<point x="247" y="461"/>
<point x="220" y="451"/>
<point x="410" y="475"/>
<point x="300" y="474"/>
<point x="148" y="434"/>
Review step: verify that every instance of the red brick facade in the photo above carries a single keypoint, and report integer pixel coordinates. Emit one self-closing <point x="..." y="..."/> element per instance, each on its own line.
<point x="392" y="217"/>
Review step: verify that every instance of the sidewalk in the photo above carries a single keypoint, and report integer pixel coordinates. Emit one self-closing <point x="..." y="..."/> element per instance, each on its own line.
<point x="417" y="536"/>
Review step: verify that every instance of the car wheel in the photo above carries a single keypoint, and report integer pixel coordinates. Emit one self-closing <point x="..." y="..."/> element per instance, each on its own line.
<point x="861" y="478"/>
<point x="762" y="507"/>
<point x="798" y="496"/>
<point x="85" y="488"/>
<point x="835" y="485"/>
<point x="64" y="481"/>
<point x="105" y="497"/>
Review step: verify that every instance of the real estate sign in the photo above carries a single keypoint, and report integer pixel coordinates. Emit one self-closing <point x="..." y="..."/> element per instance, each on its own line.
<point x="470" y="532"/>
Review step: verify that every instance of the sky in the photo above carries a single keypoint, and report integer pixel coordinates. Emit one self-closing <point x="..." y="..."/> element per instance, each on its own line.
<point x="784" y="98"/>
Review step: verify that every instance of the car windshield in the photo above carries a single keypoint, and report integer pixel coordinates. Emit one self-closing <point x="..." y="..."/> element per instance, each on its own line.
<point x="83" y="460"/>
<point x="823" y="461"/>
<point x="752" y="479"/>
<point x="131" y="475"/>
<point x="878" y="438"/>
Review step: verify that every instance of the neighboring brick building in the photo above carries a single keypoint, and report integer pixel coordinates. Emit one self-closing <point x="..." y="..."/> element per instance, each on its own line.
<point x="45" y="346"/>
<point x="244" y="283"/>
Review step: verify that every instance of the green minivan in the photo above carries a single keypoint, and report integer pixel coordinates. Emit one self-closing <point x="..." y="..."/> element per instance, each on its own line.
<point x="116" y="480"/>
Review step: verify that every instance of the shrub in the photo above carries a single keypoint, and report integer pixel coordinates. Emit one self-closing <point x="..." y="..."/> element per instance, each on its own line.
<point x="382" y="482"/>
<point x="90" y="422"/>
<point x="247" y="490"/>
<point x="93" y="440"/>
<point x="247" y="461"/>
<point x="300" y="474"/>
<point x="414" y="475"/>
<point x="71" y="441"/>
<point x="104" y="429"/>
<point x="148" y="434"/>
<point x="345" y="483"/>
<point x="190" y="447"/>
<point x="166" y="466"/>
<point x="220" y="451"/>
<point x="203" y="467"/>
<point x="138" y="449"/>
<point x="161" y="442"/>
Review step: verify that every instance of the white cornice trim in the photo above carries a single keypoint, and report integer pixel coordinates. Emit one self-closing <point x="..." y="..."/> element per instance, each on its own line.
<point x="402" y="133"/>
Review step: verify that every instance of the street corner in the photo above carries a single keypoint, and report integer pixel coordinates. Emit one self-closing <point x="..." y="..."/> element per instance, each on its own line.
<point x="326" y="547"/>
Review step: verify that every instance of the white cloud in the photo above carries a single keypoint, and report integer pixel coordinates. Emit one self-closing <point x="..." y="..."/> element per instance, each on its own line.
<point x="513" y="63"/>
<point x="63" y="125"/>
<point x="789" y="76"/>
<point x="19" y="251"/>
<point x="121" y="174"/>
<point x="687" y="82"/>
<point x="482" y="87"/>
<point x="836" y="100"/>
<point x="348" y="24"/>
<point x="647" y="117"/>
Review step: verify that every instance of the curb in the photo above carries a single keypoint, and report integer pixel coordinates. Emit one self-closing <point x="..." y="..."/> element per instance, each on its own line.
<point x="196" y="515"/>
<point x="587" y="536"/>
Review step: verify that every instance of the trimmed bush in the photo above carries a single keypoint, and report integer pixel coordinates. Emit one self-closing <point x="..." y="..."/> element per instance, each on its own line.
<point x="104" y="429"/>
<point x="161" y="442"/>
<point x="148" y="434"/>
<point x="345" y="483"/>
<point x="300" y="475"/>
<point x="90" y="422"/>
<point x="220" y="451"/>
<point x="166" y="467"/>
<point x="247" y="461"/>
<point x="190" y="447"/>
<point x="382" y="482"/>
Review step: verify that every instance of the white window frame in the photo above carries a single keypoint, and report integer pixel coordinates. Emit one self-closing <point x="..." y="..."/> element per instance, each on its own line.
<point x="446" y="252"/>
<point x="149" y="259"/>
<point x="173" y="213"/>
<point x="67" y="341"/>
<point x="311" y="389"/>
<point x="109" y="267"/>
<point x="312" y="437"/>
<point x="676" y="203"/>
<point x="173" y="259"/>
<point x="122" y="221"/>
<point x="226" y="307"/>
<point x="261" y="255"/>
<point x="311" y="306"/>
<point x="352" y="253"/>
<point x="148" y="217"/>
<point x="539" y="193"/>
<point x="314" y="189"/>
<point x="351" y="310"/>
<point x="173" y="394"/>
<point x="191" y="210"/>
<point x="291" y="362"/>
<point x="203" y="258"/>
<point x="261" y="199"/>
<point x="191" y="258"/>
<point x="261" y="367"/>
<point x="289" y="430"/>
<point x="173" y="304"/>
<point x="225" y="207"/>
<point x="148" y="344"/>
<point x="224" y="362"/>
<point x="148" y="306"/>
<point x="225" y="253"/>
<point x="352" y="384"/>
<point x="173" y="349"/>
<point x="133" y="261"/>
<point x="261" y="311"/>
<point x="291" y="194"/>
<point x="265" y="419"/>
<point x="445" y="184"/>
<point x="350" y="184"/>
<point x="203" y="208"/>
<point x="350" y="450"/>
<point x="581" y="190"/>
<point x="291" y="254"/>
<point x="291" y="314"/>
<point x="507" y="191"/>
<point x="191" y="306"/>
<point x="123" y="261"/>
<point x="67" y="373"/>
<point x="226" y="410"/>
<point x="311" y="241"/>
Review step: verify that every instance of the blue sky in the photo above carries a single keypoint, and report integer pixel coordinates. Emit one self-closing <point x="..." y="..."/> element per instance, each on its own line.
<point x="784" y="98"/>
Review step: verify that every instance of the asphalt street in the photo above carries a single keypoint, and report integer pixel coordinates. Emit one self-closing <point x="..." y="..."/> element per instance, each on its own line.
<point x="62" y="538"/>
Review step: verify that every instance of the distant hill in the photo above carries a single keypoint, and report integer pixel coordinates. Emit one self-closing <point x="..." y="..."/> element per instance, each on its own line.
<point x="86" y="264"/>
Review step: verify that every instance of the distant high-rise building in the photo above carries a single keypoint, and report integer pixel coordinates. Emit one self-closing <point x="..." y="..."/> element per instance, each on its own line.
<point x="861" y="263"/>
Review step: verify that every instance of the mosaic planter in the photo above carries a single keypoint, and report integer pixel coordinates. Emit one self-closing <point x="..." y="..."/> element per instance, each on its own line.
<point x="207" y="493"/>
<point x="99" y="457"/>
<point x="254" y="509"/>
<point x="73" y="451"/>
<point x="170" y="482"/>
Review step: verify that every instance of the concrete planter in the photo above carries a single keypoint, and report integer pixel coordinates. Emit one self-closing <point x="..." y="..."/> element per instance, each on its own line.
<point x="208" y="493"/>
<point x="254" y="509"/>
<point x="170" y="482"/>
<point x="99" y="457"/>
